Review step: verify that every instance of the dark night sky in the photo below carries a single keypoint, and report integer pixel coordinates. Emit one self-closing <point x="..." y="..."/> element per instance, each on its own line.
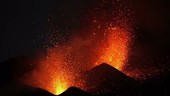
<point x="23" y="24"/>
<point x="25" y="21"/>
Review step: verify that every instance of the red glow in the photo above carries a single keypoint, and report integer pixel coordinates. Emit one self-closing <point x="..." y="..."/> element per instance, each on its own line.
<point x="63" y="64"/>
<point x="115" y="47"/>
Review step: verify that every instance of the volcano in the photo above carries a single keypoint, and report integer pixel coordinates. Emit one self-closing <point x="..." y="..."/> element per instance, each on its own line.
<point x="73" y="91"/>
<point x="101" y="80"/>
<point x="107" y="79"/>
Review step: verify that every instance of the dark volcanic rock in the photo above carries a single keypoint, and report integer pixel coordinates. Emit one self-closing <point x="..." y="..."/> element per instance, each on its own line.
<point x="13" y="68"/>
<point x="106" y="79"/>
<point x="73" y="91"/>
<point x="103" y="80"/>
<point x="156" y="86"/>
<point x="10" y="70"/>
<point x="16" y="88"/>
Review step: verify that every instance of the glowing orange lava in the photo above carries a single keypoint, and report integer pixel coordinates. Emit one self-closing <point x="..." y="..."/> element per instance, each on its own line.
<point x="115" y="47"/>
<point x="63" y="64"/>
<point x="60" y="85"/>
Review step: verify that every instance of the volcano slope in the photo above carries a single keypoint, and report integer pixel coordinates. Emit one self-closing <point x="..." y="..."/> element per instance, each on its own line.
<point x="102" y="80"/>
<point x="105" y="79"/>
<point x="10" y="85"/>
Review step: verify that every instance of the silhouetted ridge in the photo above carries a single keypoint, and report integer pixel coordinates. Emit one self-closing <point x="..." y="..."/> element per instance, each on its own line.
<point x="73" y="91"/>
<point x="106" y="71"/>
<point x="105" y="78"/>
<point x="16" y="88"/>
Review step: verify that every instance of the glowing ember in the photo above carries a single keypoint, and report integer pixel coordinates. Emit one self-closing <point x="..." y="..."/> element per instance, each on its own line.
<point x="104" y="41"/>
<point x="63" y="64"/>
<point x="115" y="47"/>
<point x="60" y="85"/>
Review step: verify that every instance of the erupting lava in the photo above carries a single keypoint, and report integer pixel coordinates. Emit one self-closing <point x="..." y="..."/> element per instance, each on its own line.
<point x="60" y="85"/>
<point x="115" y="47"/>
<point x="107" y="39"/>
<point x="63" y="65"/>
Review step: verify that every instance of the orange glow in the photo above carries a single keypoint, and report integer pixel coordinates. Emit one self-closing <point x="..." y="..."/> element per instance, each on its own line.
<point x="60" y="77"/>
<point x="115" y="48"/>
<point x="63" y="64"/>
<point x="54" y="73"/>
<point x="60" y="85"/>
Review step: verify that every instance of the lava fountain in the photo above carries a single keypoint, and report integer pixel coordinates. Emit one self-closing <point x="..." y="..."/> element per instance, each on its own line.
<point x="63" y="64"/>
<point x="104" y="37"/>
<point x="115" y="47"/>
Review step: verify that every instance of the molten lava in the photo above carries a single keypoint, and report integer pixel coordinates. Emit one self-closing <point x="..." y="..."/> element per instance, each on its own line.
<point x="63" y="65"/>
<point x="115" y="47"/>
<point x="60" y="85"/>
<point x="105" y="37"/>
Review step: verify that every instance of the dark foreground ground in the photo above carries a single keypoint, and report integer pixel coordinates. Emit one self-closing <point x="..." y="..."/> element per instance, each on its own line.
<point x="111" y="82"/>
